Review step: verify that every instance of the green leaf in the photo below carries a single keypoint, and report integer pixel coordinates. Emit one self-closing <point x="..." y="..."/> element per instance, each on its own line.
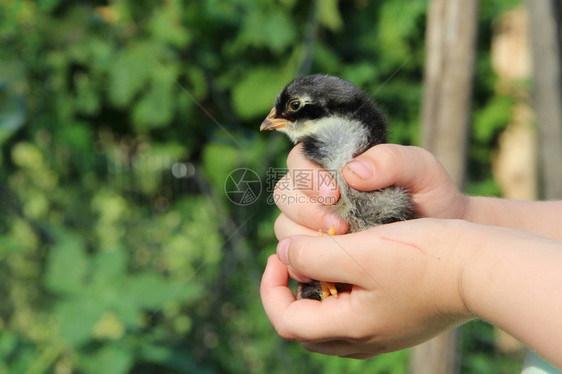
<point x="129" y="72"/>
<point x="326" y="60"/>
<point x="87" y="99"/>
<point x="8" y="342"/>
<point x="75" y="135"/>
<point x="27" y="155"/>
<point x="67" y="265"/>
<point x="487" y="187"/>
<point x="13" y="111"/>
<point x="77" y="318"/>
<point x="219" y="160"/>
<point x="177" y="360"/>
<point x="155" y="108"/>
<point x="109" y="266"/>
<point x="166" y="26"/>
<point x="129" y="313"/>
<point x="254" y="95"/>
<point x="273" y="30"/>
<point x="151" y="290"/>
<point x="493" y="118"/>
<point x="329" y="15"/>
<point x="109" y="359"/>
<point x="398" y="22"/>
<point x="361" y="73"/>
<point x="47" y="5"/>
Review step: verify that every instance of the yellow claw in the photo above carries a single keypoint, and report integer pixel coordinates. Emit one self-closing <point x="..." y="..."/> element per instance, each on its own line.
<point x="328" y="288"/>
<point x="331" y="231"/>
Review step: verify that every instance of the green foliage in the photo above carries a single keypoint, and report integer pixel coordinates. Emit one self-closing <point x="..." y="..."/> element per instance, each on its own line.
<point x="250" y="98"/>
<point x="119" y="124"/>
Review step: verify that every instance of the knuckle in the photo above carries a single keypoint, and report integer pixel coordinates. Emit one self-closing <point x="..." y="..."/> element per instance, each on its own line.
<point x="305" y="215"/>
<point x="284" y="331"/>
<point x="359" y="335"/>
<point x="389" y="154"/>
<point x="385" y="159"/>
<point x="278" y="225"/>
<point x="298" y="255"/>
<point x="421" y="150"/>
<point x="362" y="333"/>
<point x="422" y="154"/>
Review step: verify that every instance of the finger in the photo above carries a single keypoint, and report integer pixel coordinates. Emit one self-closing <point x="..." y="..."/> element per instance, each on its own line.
<point x="305" y="210"/>
<point x="284" y="227"/>
<point x="360" y="356"/>
<point x="312" y="177"/>
<point x="275" y="294"/>
<point x="298" y="276"/>
<point x="331" y="258"/>
<point x="302" y="320"/>
<point x="297" y="160"/>
<point x="332" y="348"/>
<point x="391" y="164"/>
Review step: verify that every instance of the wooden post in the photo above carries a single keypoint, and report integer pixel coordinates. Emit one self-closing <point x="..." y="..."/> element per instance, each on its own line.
<point x="544" y="17"/>
<point x="450" y="54"/>
<point x="515" y="162"/>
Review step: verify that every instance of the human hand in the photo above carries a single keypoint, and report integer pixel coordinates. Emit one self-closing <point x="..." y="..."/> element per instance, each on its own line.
<point x="413" y="279"/>
<point x="433" y="192"/>
<point x="406" y="286"/>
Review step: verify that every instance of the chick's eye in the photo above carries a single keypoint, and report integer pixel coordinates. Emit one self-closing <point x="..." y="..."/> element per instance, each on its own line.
<point x="295" y="105"/>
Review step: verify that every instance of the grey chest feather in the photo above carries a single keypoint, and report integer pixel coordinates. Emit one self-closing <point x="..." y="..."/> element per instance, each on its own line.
<point x="339" y="143"/>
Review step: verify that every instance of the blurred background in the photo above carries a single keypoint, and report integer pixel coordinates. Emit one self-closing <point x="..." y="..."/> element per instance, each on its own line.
<point x="120" y="123"/>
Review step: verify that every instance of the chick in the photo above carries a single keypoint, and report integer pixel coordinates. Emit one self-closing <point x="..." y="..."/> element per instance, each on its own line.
<point x="336" y="121"/>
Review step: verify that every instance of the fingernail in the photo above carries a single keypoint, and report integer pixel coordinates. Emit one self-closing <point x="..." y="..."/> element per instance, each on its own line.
<point x="283" y="250"/>
<point x="301" y="278"/>
<point x="360" y="168"/>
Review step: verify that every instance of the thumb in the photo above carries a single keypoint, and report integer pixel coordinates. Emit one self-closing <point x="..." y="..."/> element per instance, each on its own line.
<point x="331" y="258"/>
<point x="390" y="164"/>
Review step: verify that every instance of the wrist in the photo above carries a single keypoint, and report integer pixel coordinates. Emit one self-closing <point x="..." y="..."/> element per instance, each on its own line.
<point x="497" y="261"/>
<point x="470" y="208"/>
<point x="477" y="258"/>
<point x="451" y="263"/>
<point x="467" y="206"/>
<point x="477" y="210"/>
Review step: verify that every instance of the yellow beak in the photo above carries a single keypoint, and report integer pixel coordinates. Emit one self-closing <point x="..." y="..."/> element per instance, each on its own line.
<point x="272" y="123"/>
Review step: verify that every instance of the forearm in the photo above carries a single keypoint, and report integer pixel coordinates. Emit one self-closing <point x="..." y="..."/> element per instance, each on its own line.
<point x="539" y="217"/>
<point x="513" y="280"/>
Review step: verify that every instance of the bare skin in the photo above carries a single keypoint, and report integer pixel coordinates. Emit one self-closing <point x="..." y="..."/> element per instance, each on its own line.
<point x="476" y="258"/>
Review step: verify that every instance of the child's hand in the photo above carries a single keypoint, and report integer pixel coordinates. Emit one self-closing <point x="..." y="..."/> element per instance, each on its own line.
<point x="413" y="279"/>
<point x="405" y="279"/>
<point x="433" y="192"/>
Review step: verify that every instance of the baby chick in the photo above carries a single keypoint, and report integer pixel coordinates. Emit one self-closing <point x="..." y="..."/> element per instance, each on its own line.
<point x="336" y="121"/>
